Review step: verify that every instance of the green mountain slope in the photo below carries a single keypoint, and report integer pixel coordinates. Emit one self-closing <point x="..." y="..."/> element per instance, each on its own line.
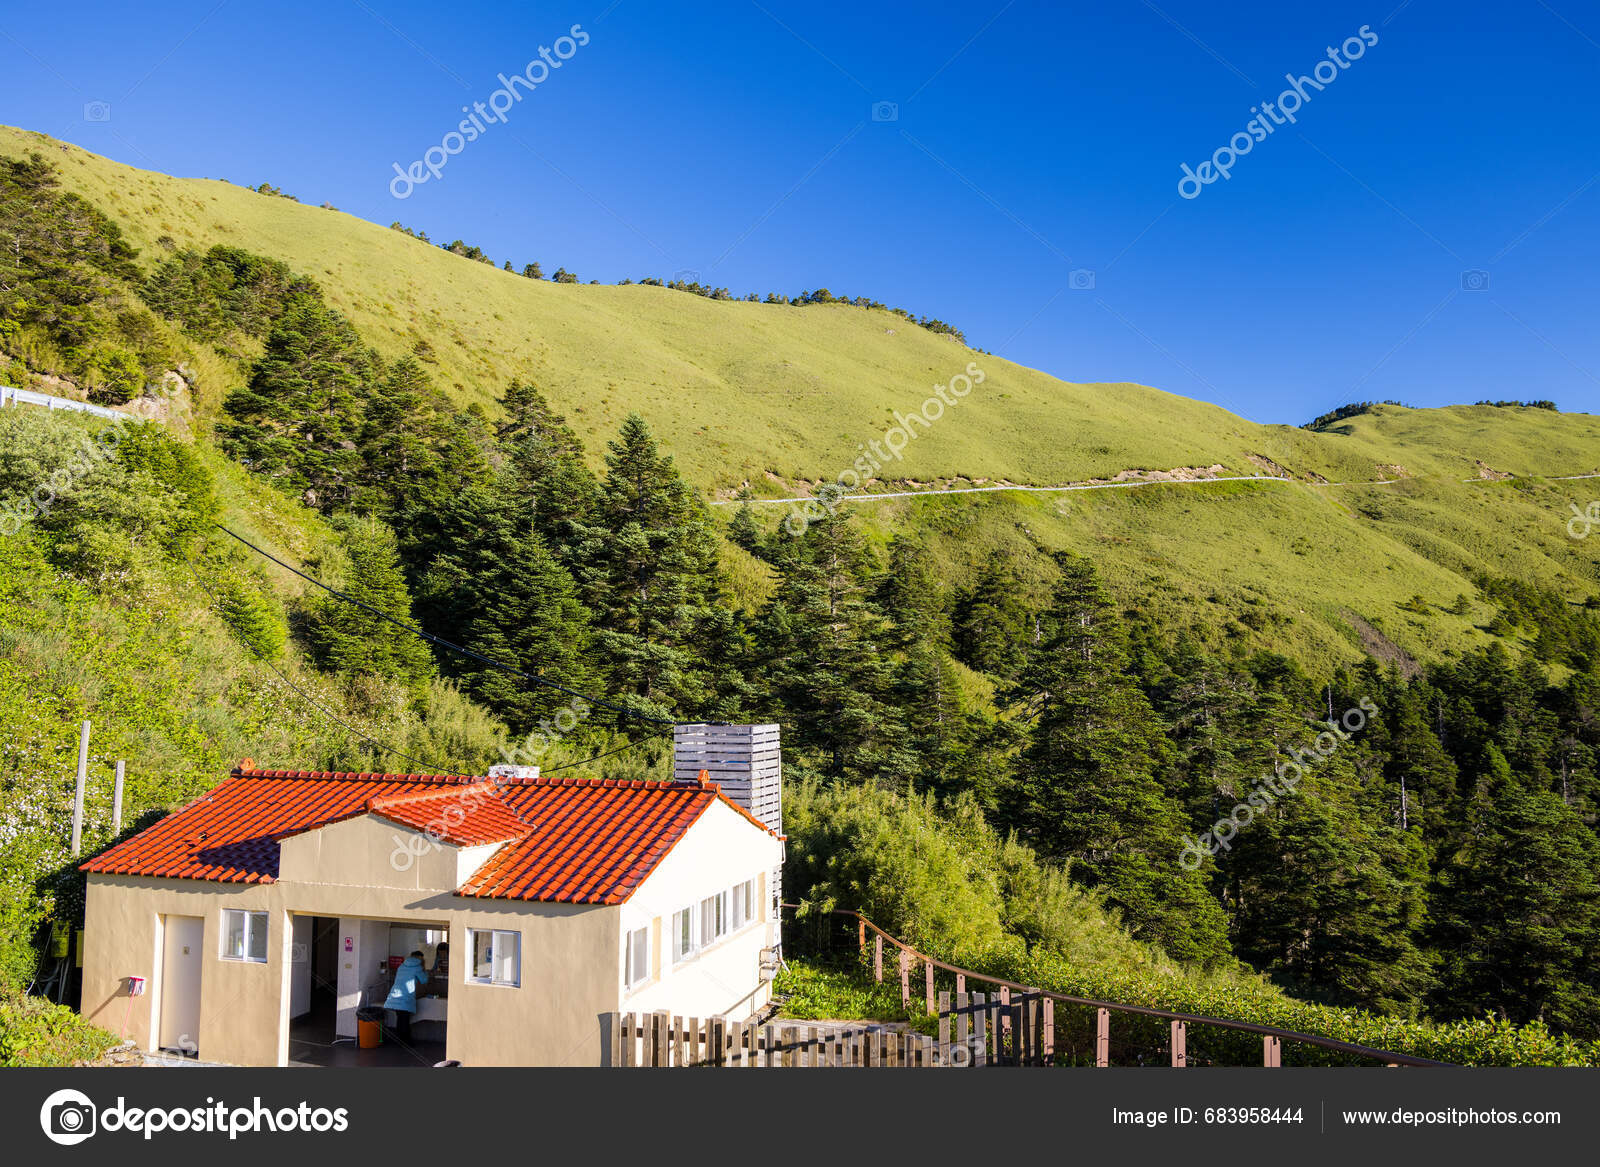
<point x="782" y="397"/>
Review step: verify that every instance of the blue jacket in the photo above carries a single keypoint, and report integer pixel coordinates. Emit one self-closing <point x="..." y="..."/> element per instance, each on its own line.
<point x="408" y="978"/>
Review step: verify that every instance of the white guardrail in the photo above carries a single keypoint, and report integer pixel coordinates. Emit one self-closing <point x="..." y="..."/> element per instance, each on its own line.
<point x="10" y="395"/>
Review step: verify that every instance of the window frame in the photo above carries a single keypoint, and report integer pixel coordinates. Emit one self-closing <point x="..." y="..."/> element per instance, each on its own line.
<point x="743" y="906"/>
<point x="470" y="972"/>
<point x="690" y="918"/>
<point x="636" y="948"/>
<point x="247" y="936"/>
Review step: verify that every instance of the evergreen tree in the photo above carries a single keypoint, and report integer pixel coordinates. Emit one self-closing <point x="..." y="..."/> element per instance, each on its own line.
<point x="649" y="575"/>
<point x="992" y="627"/>
<point x="821" y="652"/>
<point x="1519" y="912"/>
<point x="1086" y="789"/>
<point x="299" y="418"/>
<point x="495" y="588"/>
<point x="350" y="639"/>
<point x="533" y="271"/>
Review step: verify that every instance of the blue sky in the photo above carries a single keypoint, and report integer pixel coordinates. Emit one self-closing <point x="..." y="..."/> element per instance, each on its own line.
<point x="1028" y="141"/>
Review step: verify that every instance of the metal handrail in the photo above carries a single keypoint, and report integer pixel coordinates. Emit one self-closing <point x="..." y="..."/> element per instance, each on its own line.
<point x="1386" y="1056"/>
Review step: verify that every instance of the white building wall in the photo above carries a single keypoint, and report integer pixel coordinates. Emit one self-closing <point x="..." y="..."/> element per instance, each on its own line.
<point x="722" y="849"/>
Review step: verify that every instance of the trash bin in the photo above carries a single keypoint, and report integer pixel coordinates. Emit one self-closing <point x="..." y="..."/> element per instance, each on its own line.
<point x="369" y="1027"/>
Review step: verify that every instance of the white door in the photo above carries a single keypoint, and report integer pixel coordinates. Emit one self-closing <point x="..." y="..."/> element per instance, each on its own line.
<point x="300" y="967"/>
<point x="180" y="982"/>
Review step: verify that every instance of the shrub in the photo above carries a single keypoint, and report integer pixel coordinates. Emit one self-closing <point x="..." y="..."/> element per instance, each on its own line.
<point x="35" y="1032"/>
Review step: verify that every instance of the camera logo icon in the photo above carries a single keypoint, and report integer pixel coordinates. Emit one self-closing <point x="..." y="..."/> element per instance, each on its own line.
<point x="885" y="111"/>
<point x="97" y="111"/>
<point x="1081" y="279"/>
<point x="1475" y="280"/>
<point x="687" y="275"/>
<point x="68" y="1117"/>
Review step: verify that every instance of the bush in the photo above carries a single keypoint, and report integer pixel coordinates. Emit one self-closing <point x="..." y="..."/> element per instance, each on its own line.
<point x="35" y="1032"/>
<point x="944" y="881"/>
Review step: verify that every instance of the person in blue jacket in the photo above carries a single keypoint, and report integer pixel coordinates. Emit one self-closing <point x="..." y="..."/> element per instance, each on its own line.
<point x="408" y="978"/>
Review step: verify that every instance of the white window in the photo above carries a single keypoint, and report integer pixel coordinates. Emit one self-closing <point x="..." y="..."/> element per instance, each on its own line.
<point x="744" y="903"/>
<point x="637" y="970"/>
<point x="685" y="939"/>
<point x="244" y="936"/>
<point x="713" y="918"/>
<point x="496" y="957"/>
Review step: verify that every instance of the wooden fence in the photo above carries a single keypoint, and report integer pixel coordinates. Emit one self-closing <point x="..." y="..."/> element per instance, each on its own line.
<point x="660" y="1040"/>
<point x="998" y="1034"/>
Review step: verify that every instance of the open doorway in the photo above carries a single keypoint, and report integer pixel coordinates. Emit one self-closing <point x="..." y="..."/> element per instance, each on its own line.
<point x="344" y="966"/>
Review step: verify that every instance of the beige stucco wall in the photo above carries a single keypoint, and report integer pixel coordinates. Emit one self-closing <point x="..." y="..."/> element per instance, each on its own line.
<point x="572" y="955"/>
<point x="344" y="871"/>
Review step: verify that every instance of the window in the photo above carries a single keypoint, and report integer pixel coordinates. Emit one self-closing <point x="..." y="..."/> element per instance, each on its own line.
<point x="744" y="903"/>
<point x="713" y="918"/>
<point x="683" y="935"/>
<point x="637" y="970"/>
<point x="496" y="957"/>
<point x="244" y="936"/>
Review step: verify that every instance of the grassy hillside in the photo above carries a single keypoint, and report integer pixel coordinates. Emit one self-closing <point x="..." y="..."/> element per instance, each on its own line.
<point x="780" y="397"/>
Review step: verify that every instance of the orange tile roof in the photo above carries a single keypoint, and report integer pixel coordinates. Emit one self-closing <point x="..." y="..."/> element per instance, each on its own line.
<point x="566" y="840"/>
<point x="466" y="817"/>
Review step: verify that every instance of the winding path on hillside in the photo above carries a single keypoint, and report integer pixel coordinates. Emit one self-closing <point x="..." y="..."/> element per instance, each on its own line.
<point x="881" y="496"/>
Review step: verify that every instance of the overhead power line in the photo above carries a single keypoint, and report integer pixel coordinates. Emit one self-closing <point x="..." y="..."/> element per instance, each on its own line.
<point x="621" y="710"/>
<point x="383" y="747"/>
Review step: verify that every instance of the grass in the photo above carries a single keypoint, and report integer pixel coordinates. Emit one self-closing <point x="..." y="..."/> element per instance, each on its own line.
<point x="782" y="397"/>
<point x="810" y="990"/>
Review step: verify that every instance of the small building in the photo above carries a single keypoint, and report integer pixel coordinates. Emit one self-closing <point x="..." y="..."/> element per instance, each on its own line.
<point x="265" y="914"/>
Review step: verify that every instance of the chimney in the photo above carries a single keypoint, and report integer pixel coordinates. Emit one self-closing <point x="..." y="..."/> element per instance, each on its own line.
<point x="742" y="759"/>
<point x="507" y="772"/>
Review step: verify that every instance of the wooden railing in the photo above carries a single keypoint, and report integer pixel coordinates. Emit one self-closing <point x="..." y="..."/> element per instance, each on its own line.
<point x="1272" y="1038"/>
<point x="660" y="1040"/>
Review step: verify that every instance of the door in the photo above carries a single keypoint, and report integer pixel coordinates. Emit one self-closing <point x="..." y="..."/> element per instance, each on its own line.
<point x="180" y="982"/>
<point x="300" y="967"/>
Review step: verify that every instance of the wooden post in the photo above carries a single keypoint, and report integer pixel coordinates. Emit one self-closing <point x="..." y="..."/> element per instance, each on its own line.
<point x="1024" y="1029"/>
<point x="961" y="983"/>
<point x="963" y="1030"/>
<point x="1180" y="1044"/>
<point x="944" y="1028"/>
<point x="927" y="969"/>
<point x="980" y="1030"/>
<point x="77" y="800"/>
<point x="1102" y="1037"/>
<point x="1047" y="1042"/>
<point x="1271" y="1051"/>
<point x="877" y="956"/>
<point x="1002" y="1033"/>
<point x="116" y="799"/>
<point x="861" y="936"/>
<point x="905" y="979"/>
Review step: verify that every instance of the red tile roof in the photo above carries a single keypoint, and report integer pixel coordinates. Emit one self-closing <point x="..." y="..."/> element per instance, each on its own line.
<point x="567" y="840"/>
<point x="464" y="818"/>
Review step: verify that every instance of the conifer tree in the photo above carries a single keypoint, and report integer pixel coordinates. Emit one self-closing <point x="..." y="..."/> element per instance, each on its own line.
<point x="1087" y="790"/>
<point x="299" y="418"/>
<point x="649" y="575"/>
<point x="351" y="639"/>
<point x="495" y="588"/>
<point x="821" y="650"/>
